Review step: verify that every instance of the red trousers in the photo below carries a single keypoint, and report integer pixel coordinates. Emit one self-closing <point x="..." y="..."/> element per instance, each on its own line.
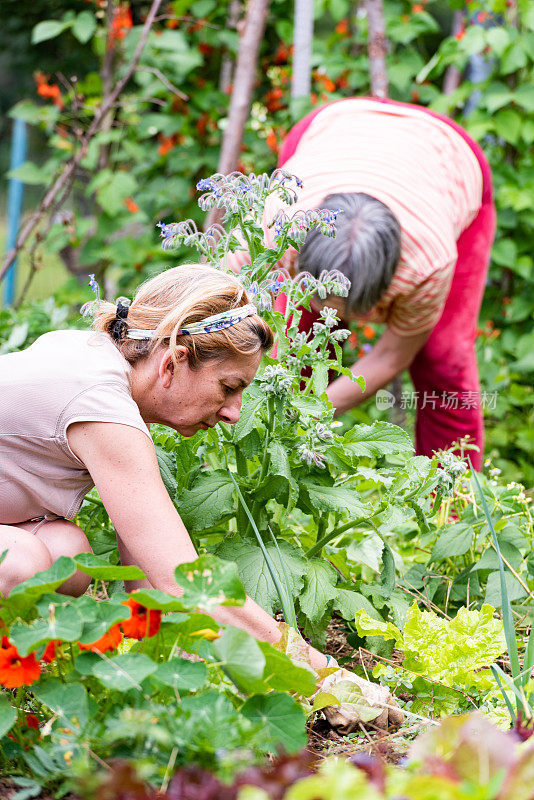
<point x="445" y="372"/>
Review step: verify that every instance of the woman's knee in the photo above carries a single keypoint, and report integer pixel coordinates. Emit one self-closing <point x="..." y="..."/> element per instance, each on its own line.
<point x="65" y="538"/>
<point x="25" y="556"/>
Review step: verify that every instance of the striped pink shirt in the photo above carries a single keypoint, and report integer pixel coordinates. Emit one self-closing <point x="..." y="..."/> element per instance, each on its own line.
<point x="417" y="165"/>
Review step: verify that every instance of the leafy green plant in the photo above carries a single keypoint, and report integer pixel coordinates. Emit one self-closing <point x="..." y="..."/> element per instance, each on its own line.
<point x="286" y="483"/>
<point x="441" y="654"/>
<point x="520" y="679"/>
<point x="93" y="695"/>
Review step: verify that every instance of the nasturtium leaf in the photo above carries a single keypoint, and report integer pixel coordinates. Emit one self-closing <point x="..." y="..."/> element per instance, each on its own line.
<point x="241" y="657"/>
<point x="282" y="674"/>
<point x="334" y="498"/>
<point x="99" y="617"/>
<point x="100" y="568"/>
<point x="281" y="717"/>
<point x="8" y="715"/>
<point x="255" y="574"/>
<point x="46" y="581"/>
<point x="454" y="542"/>
<point x="208" y="582"/>
<point x="125" y="671"/>
<point x="157" y="600"/>
<point x="319" y="589"/>
<point x="210" y="498"/>
<point x="181" y="674"/>
<point x="62" y="622"/>
<point x="69" y="701"/>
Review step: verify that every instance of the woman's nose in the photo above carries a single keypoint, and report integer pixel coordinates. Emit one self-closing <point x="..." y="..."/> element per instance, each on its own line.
<point x="231" y="411"/>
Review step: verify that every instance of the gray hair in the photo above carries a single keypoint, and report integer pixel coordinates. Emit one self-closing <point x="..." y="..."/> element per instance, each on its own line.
<point x="366" y="247"/>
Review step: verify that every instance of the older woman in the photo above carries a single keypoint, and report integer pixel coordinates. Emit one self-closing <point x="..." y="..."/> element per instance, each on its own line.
<point x="74" y="414"/>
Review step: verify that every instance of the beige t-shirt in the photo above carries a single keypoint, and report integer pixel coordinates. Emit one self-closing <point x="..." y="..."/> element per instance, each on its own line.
<point x="64" y="377"/>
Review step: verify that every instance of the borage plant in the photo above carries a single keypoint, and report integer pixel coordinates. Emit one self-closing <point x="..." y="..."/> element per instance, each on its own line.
<point x="304" y="510"/>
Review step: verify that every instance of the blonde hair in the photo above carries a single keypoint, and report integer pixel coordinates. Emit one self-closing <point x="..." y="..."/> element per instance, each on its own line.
<point x="178" y="297"/>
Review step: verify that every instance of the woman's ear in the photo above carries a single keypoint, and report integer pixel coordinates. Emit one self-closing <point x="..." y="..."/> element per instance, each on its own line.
<point x="166" y="370"/>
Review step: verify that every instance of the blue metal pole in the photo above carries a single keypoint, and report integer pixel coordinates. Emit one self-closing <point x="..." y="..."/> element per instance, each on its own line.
<point x="15" y="196"/>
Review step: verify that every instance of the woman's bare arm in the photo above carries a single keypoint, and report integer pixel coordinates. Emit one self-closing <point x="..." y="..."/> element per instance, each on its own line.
<point x="122" y="462"/>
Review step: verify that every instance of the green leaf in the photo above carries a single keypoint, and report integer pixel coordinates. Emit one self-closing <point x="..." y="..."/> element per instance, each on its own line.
<point x="319" y="589"/>
<point x="254" y="399"/>
<point x="334" y="498"/>
<point x="493" y="589"/>
<point x="211" y="497"/>
<point x="181" y="674"/>
<point x="8" y="715"/>
<point x="254" y="573"/>
<point x="209" y="582"/>
<point x="48" y="29"/>
<point x="125" y="671"/>
<point x="377" y="439"/>
<point x="454" y="542"/>
<point x="490" y="559"/>
<point x="98" y="617"/>
<point x="370" y="626"/>
<point x="368" y="551"/>
<point x="69" y="701"/>
<point x="31" y="174"/>
<point x="64" y="622"/>
<point x="451" y="651"/>
<point x="319" y="377"/>
<point x="282" y="719"/>
<point x="167" y="469"/>
<point x="283" y="675"/>
<point x="100" y="569"/>
<point x="348" y="603"/>
<point x="524" y="96"/>
<point x="111" y="197"/>
<point x="241" y="657"/>
<point x="508" y="125"/>
<point x="46" y="581"/>
<point x="84" y="26"/>
<point x="155" y="599"/>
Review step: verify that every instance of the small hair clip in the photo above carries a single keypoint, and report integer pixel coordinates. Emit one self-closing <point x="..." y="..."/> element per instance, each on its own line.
<point x="118" y="326"/>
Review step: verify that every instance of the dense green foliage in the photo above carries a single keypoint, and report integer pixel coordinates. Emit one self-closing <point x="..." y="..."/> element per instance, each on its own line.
<point x="321" y="520"/>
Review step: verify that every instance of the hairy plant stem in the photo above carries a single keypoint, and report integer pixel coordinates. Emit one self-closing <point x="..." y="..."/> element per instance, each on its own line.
<point x="320" y="543"/>
<point x="266" y="458"/>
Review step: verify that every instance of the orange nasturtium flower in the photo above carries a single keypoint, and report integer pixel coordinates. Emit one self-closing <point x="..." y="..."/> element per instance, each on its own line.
<point x="369" y="332"/>
<point x="143" y="621"/>
<point x="49" y="653"/>
<point x="109" y="641"/>
<point x="17" y="670"/>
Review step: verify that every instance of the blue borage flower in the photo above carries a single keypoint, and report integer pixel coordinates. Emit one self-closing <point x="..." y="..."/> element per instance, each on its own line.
<point x="165" y="230"/>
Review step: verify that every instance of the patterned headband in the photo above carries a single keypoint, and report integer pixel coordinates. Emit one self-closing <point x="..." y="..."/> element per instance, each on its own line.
<point x="215" y="323"/>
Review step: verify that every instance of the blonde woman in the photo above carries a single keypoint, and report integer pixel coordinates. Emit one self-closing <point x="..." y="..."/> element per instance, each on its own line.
<point x="74" y="413"/>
